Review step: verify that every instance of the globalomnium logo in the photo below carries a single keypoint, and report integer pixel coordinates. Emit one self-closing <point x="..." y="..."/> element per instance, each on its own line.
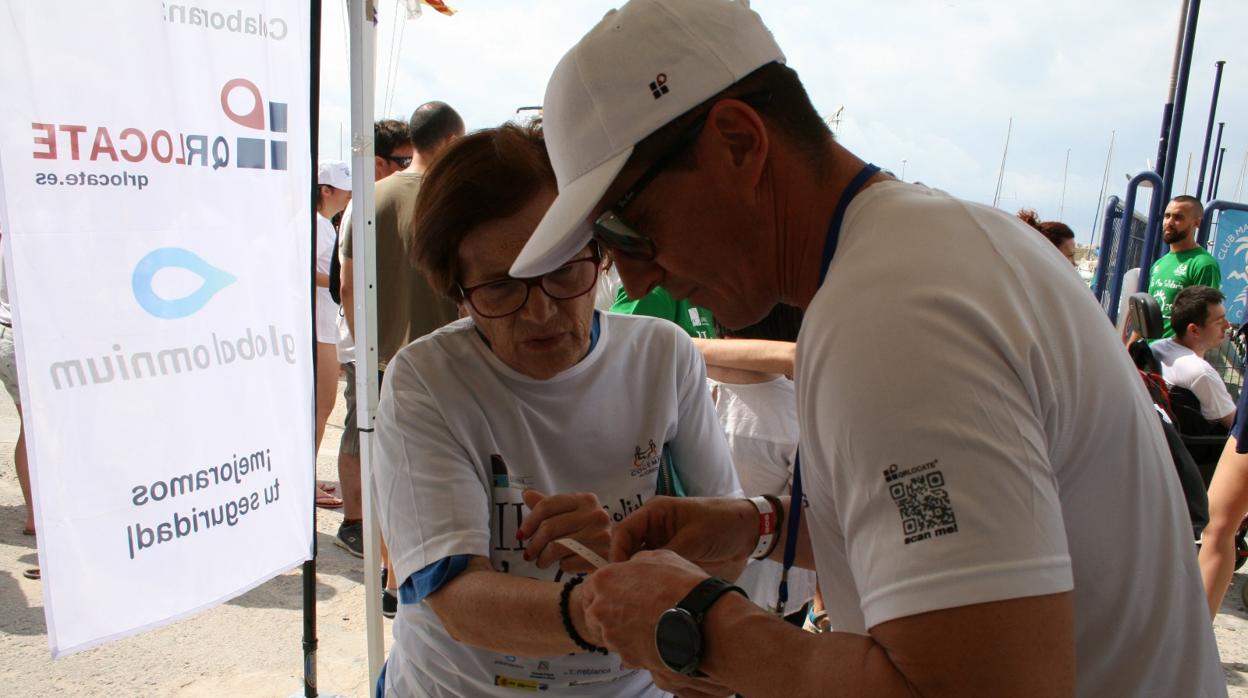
<point x="175" y="258"/>
<point x="105" y="143"/>
<point x="216" y="351"/>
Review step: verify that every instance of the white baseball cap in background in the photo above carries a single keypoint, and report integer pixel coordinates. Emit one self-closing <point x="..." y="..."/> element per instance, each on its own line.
<point x="335" y="173"/>
<point x="643" y="65"/>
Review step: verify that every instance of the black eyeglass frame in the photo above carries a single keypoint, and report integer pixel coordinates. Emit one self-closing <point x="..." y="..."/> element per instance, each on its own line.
<point x="619" y="237"/>
<point x="595" y="258"/>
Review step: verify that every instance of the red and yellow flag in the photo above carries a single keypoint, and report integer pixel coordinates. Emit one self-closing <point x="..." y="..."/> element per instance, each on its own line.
<point x="439" y="6"/>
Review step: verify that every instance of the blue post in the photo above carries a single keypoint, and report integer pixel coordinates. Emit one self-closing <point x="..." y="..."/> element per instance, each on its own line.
<point x="1107" y="241"/>
<point x="1180" y="98"/>
<point x="1213" y="109"/>
<point x="1217" y="173"/>
<point x="1148" y="254"/>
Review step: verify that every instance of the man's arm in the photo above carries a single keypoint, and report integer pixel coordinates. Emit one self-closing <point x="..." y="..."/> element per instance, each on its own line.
<point x="1019" y="647"/>
<point x="759" y="355"/>
<point x="508" y="614"/>
<point x="1228" y="421"/>
<point x="347" y="294"/>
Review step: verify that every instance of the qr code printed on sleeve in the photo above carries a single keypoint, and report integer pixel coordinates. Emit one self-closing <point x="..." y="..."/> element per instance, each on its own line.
<point x="922" y="501"/>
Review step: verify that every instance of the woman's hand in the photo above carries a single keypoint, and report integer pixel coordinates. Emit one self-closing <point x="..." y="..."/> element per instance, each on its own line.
<point x="578" y="516"/>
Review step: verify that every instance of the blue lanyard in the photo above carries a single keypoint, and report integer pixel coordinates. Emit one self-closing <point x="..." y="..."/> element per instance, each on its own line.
<point x="795" y="500"/>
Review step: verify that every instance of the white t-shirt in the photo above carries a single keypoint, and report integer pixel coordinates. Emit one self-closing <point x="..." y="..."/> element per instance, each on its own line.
<point x="326" y="308"/>
<point x="973" y="431"/>
<point x="460" y="435"/>
<point x="1182" y="367"/>
<point x="760" y="422"/>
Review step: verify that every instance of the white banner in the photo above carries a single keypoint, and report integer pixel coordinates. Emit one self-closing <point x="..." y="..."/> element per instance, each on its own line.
<point x="155" y="207"/>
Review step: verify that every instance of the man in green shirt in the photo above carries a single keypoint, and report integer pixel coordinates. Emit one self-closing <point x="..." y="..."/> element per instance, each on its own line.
<point x="1187" y="264"/>
<point x="695" y="321"/>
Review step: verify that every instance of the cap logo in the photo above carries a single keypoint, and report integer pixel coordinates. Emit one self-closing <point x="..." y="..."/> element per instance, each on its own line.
<point x="658" y="87"/>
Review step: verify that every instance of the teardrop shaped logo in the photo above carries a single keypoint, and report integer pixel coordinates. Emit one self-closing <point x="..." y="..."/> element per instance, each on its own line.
<point x="164" y="258"/>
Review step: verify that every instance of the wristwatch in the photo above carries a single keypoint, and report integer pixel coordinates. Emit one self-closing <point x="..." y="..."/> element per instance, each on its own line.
<point x="678" y="635"/>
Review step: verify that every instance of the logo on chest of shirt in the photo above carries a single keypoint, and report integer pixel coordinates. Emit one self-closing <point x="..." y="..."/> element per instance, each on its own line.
<point x="922" y="501"/>
<point x="645" y="460"/>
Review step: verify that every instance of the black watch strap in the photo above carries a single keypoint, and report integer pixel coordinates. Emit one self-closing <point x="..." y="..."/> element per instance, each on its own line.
<point x="698" y="601"/>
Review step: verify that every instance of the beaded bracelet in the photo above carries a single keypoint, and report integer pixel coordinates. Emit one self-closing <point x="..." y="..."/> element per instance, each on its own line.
<point x="564" y="597"/>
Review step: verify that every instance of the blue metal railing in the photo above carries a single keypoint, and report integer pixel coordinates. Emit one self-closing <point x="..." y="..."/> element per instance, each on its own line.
<point x="1107" y="243"/>
<point x="1150" y="249"/>
<point x="1202" y="238"/>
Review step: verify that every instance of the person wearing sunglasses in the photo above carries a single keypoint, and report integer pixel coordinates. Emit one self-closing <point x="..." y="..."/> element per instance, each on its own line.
<point x="392" y="148"/>
<point x="406" y="307"/>
<point x="989" y="501"/>
<point x="535" y="418"/>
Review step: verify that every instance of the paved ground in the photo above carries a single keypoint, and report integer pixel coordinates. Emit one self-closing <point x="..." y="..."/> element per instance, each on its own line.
<point x="251" y="645"/>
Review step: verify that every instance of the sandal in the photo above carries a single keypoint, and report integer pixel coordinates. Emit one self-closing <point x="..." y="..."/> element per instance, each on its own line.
<point x="326" y="500"/>
<point x="31" y="573"/>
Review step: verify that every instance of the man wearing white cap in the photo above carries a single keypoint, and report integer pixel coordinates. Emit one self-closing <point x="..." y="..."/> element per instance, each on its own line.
<point x="989" y="506"/>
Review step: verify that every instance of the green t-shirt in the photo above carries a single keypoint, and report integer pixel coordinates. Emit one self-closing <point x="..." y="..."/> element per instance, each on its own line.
<point x="697" y="322"/>
<point x="1178" y="270"/>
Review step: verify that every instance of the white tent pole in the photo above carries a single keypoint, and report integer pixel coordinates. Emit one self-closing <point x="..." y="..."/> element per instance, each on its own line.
<point x="363" y="31"/>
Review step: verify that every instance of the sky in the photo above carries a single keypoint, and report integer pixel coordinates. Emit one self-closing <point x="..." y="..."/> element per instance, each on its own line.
<point x="929" y="87"/>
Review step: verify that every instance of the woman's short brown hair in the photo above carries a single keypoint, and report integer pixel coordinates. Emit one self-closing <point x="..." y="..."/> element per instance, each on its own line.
<point x="482" y="177"/>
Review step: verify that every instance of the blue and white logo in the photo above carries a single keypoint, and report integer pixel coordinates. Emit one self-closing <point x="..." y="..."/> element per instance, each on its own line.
<point x="1232" y="256"/>
<point x="176" y="257"/>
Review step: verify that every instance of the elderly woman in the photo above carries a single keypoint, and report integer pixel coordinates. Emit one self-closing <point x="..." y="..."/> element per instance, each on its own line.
<point x="534" y="419"/>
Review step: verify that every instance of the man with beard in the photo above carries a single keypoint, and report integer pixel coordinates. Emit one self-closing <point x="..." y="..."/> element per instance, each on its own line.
<point x="1187" y="264"/>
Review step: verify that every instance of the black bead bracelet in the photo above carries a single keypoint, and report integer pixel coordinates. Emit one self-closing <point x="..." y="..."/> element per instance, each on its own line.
<point x="564" y="597"/>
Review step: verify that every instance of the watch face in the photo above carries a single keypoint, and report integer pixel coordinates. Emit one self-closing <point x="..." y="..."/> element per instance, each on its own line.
<point x="678" y="640"/>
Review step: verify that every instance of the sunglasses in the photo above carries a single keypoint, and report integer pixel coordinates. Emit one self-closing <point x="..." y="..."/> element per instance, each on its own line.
<point x="403" y="163"/>
<point x="623" y="239"/>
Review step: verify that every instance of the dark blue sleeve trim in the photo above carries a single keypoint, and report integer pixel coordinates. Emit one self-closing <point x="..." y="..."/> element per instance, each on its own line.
<point x="1241" y="422"/>
<point x="433" y="577"/>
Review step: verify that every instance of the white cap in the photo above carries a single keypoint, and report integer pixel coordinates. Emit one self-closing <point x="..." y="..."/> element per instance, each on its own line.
<point x="640" y="68"/>
<point x="335" y="173"/>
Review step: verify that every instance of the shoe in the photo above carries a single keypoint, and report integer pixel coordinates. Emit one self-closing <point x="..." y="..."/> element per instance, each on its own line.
<point x="389" y="603"/>
<point x="351" y="538"/>
<point x="31" y="573"/>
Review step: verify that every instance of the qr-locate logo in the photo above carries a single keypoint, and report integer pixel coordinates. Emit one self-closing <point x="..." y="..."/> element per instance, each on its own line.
<point x="250" y="151"/>
<point x="658" y="86"/>
<point x="176" y="257"/>
<point x="199" y="144"/>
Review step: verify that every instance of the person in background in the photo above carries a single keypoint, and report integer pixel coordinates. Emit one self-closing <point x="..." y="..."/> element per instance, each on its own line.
<point x="392" y="152"/>
<point x="333" y="193"/>
<point x="8" y="375"/>
<point x="1228" y="505"/>
<point x="1199" y="320"/>
<point x="1187" y="263"/>
<point x="757" y="409"/>
<point x="1060" y="234"/>
<point x="406" y="307"/>
<point x="696" y="322"/>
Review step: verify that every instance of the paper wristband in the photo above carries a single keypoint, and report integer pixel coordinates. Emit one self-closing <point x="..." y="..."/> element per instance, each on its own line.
<point x="590" y="556"/>
<point x="766" y="527"/>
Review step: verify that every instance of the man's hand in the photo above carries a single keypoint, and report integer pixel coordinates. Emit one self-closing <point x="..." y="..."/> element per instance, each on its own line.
<point x="623" y="602"/>
<point x="577" y="516"/>
<point x="705" y="530"/>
